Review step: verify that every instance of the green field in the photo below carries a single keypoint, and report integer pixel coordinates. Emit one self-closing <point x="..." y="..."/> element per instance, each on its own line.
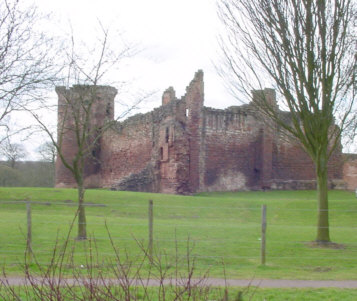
<point x="222" y="229"/>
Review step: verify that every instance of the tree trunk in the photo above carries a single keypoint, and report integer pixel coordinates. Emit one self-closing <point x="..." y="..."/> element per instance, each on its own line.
<point x="323" y="231"/>
<point x="82" y="225"/>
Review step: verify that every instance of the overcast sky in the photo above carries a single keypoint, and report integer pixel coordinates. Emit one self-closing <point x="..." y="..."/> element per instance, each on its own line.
<point x="177" y="37"/>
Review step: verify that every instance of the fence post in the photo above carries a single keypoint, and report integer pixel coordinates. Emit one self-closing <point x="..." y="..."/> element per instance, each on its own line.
<point x="29" y="229"/>
<point x="264" y="228"/>
<point x="151" y="217"/>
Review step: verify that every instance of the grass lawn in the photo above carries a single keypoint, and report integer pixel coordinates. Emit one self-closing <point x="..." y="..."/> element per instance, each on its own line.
<point x="221" y="228"/>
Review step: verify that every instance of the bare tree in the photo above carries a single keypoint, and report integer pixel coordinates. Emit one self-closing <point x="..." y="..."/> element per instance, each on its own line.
<point x="76" y="118"/>
<point x="48" y="152"/>
<point x="306" y="49"/>
<point x="26" y="64"/>
<point x="13" y="152"/>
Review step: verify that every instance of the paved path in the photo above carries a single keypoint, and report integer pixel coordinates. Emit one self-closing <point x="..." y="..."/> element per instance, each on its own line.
<point x="272" y="283"/>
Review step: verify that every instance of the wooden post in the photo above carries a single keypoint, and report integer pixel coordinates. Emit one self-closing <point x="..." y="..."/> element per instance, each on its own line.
<point x="29" y="229"/>
<point x="264" y="228"/>
<point x="151" y="217"/>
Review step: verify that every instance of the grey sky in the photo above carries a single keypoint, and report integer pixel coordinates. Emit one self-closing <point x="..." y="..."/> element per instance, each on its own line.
<point x="178" y="37"/>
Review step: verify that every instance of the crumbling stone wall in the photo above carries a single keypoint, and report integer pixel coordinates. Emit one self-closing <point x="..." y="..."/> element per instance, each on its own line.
<point x="151" y="152"/>
<point x="126" y="151"/>
<point x="184" y="147"/>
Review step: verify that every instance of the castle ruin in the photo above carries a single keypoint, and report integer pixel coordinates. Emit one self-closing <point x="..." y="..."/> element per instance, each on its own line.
<point x="184" y="147"/>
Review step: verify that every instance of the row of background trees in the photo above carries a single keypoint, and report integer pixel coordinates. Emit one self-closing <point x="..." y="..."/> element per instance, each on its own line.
<point x="15" y="170"/>
<point x="305" y="49"/>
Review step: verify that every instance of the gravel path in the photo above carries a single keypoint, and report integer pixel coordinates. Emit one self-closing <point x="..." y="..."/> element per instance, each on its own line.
<point x="272" y="283"/>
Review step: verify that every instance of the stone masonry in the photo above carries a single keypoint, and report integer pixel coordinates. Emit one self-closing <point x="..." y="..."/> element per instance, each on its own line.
<point x="183" y="147"/>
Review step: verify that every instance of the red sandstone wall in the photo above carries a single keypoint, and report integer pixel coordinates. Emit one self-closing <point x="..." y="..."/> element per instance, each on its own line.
<point x="194" y="104"/>
<point x="350" y="171"/>
<point x="242" y="152"/>
<point x="291" y="162"/>
<point x="125" y="151"/>
<point x="64" y="177"/>
<point x="174" y="163"/>
<point x="149" y="152"/>
<point x="232" y="152"/>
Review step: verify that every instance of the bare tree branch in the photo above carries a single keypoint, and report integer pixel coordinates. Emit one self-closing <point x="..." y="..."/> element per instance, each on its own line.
<point x="26" y="57"/>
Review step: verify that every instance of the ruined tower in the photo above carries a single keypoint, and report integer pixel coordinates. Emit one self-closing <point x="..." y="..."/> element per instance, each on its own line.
<point x="180" y="167"/>
<point x="82" y="107"/>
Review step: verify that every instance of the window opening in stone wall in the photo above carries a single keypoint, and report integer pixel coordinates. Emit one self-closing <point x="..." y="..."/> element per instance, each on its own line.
<point x="107" y="110"/>
<point x="167" y="135"/>
<point x="161" y="153"/>
<point x="187" y="112"/>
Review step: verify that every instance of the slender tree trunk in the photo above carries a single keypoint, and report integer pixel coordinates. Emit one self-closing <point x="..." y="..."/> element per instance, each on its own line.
<point x="82" y="224"/>
<point x="323" y="231"/>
